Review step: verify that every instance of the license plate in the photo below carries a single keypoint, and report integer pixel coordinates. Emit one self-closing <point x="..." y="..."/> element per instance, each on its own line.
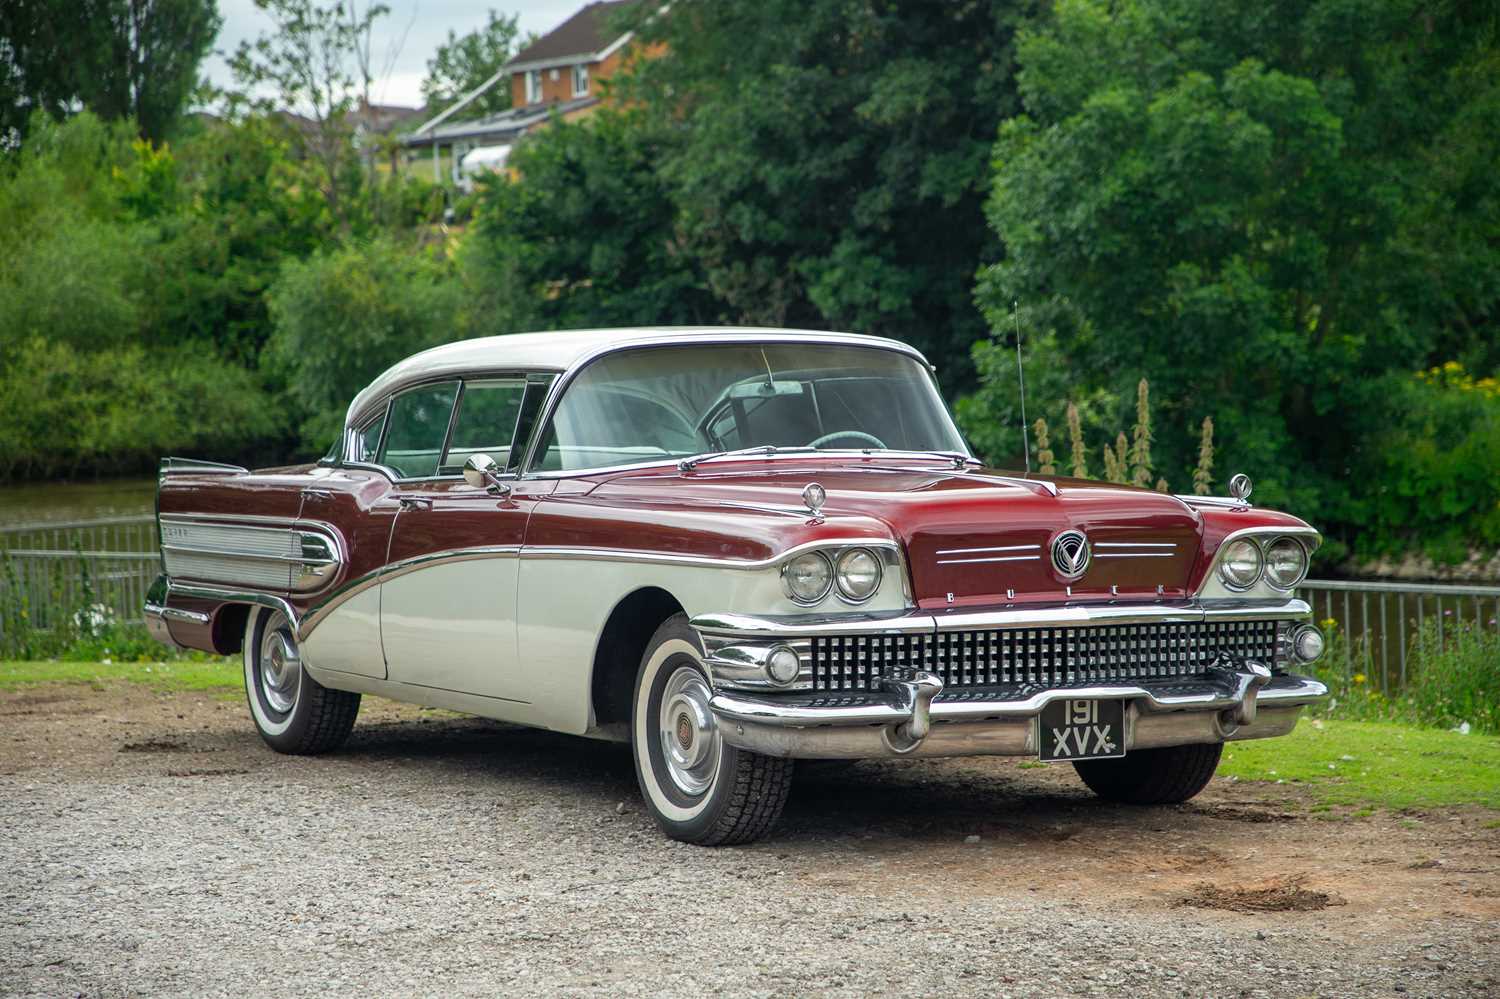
<point x="1081" y="730"/>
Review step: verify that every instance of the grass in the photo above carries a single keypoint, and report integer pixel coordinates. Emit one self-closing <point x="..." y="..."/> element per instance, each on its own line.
<point x="1379" y="764"/>
<point x="219" y="675"/>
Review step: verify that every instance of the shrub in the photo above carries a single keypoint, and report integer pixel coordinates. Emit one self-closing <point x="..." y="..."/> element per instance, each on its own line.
<point x="1457" y="677"/>
<point x="1451" y="679"/>
<point x="340" y="318"/>
<point x="116" y="410"/>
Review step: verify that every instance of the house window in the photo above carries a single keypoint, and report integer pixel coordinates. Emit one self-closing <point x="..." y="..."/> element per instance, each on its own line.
<point x="533" y="86"/>
<point x="580" y="80"/>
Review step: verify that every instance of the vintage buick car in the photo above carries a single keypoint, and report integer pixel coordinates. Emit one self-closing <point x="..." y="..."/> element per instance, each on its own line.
<point x="733" y="549"/>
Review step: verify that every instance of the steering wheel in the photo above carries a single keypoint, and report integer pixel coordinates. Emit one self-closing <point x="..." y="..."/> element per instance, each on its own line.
<point x="858" y="435"/>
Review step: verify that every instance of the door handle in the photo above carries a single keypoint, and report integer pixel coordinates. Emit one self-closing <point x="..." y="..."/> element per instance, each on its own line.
<point x="414" y="502"/>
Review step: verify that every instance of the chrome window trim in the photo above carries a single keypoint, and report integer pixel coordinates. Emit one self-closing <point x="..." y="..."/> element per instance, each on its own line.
<point x="383" y="404"/>
<point x="561" y="383"/>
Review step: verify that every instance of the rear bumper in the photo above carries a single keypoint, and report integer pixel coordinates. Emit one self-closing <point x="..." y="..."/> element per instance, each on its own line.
<point x="913" y="718"/>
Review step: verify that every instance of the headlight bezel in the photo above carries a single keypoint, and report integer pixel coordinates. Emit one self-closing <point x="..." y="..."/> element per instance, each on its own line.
<point x="791" y="592"/>
<point x="843" y="591"/>
<point x="1231" y="581"/>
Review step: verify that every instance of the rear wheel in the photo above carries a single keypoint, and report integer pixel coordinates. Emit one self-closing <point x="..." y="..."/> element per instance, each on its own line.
<point x="292" y="711"/>
<point x="700" y="789"/>
<point x="1165" y="776"/>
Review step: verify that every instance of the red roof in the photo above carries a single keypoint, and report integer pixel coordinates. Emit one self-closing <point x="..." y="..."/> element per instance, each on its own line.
<point x="585" y="33"/>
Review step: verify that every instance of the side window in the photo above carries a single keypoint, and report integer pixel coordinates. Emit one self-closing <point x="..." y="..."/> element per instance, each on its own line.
<point x="418" y="426"/>
<point x="486" y="423"/>
<point x="367" y="439"/>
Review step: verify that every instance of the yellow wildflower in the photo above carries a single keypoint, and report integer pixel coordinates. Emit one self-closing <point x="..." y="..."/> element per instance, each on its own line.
<point x="1359" y="678"/>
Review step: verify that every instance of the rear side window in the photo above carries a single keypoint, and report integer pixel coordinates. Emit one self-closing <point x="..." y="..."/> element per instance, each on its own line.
<point x="418" y="426"/>
<point x="367" y="439"/>
<point x="486" y="422"/>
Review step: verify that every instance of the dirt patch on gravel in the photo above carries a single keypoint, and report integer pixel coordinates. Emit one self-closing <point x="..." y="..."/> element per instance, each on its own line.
<point x="1274" y="895"/>
<point x="440" y="854"/>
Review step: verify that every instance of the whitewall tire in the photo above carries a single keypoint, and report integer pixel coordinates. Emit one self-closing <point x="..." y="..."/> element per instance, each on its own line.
<point x="700" y="789"/>
<point x="291" y="710"/>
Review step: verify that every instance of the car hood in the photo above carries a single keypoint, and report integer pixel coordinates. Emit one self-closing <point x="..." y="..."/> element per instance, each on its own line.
<point x="970" y="536"/>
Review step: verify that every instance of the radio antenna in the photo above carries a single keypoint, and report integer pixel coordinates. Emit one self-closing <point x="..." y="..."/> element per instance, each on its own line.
<point x="1021" y="377"/>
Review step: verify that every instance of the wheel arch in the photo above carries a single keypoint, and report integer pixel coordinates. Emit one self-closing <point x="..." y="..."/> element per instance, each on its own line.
<point x="617" y="656"/>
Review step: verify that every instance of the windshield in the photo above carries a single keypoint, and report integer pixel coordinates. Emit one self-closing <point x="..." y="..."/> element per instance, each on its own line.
<point x="674" y="402"/>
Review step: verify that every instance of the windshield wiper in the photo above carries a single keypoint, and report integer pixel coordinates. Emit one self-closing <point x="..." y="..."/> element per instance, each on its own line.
<point x="688" y="464"/>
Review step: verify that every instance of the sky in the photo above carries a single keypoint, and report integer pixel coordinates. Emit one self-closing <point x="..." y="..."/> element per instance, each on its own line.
<point x="403" y="40"/>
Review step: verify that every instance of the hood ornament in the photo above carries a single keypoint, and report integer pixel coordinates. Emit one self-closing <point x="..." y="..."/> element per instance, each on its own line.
<point x="814" y="496"/>
<point x="1071" y="554"/>
<point x="1239" y="488"/>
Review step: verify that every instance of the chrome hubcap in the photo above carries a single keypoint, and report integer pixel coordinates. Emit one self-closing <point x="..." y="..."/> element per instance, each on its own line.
<point x="689" y="738"/>
<point x="280" y="666"/>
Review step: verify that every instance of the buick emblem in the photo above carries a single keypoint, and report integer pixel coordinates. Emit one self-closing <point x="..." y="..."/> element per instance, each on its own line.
<point x="1070" y="554"/>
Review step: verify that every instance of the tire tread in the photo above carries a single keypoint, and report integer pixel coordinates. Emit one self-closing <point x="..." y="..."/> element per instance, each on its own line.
<point x="331" y="715"/>
<point x="1168" y="775"/>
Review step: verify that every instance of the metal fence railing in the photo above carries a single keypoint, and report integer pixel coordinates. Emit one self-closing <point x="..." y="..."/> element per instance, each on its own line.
<point x="53" y="571"/>
<point x="1383" y="622"/>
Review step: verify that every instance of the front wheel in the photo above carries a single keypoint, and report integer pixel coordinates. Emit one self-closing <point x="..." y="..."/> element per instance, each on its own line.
<point x="1168" y="775"/>
<point x="292" y="711"/>
<point x="700" y="789"/>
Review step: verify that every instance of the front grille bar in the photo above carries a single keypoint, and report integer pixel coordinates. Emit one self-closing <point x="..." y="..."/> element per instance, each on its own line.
<point x="1049" y="657"/>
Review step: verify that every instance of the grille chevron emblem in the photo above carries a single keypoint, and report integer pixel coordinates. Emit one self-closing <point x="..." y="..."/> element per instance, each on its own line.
<point x="1070" y="554"/>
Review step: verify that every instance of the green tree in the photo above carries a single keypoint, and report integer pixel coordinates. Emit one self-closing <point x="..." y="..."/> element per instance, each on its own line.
<point x="1261" y="207"/>
<point x="830" y="159"/>
<point x="463" y="63"/>
<point x="585" y="236"/>
<point x="315" y="63"/>
<point x="121" y="59"/>
<point x="343" y="316"/>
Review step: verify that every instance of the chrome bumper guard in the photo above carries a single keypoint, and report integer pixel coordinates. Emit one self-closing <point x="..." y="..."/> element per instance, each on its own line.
<point x="912" y="718"/>
<point x="912" y="715"/>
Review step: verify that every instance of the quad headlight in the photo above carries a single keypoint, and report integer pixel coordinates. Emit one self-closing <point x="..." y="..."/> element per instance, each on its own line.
<point x="1286" y="563"/>
<point x="1241" y="564"/>
<point x="857" y="574"/>
<point x="808" y="577"/>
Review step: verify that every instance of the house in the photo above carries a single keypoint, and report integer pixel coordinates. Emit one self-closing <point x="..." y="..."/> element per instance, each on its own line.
<point x="561" y="73"/>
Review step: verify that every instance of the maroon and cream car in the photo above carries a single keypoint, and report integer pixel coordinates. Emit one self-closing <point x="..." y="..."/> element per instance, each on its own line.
<point x="733" y="549"/>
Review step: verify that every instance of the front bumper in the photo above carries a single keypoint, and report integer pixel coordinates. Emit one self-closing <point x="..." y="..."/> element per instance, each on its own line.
<point x="908" y="712"/>
<point x="913" y="717"/>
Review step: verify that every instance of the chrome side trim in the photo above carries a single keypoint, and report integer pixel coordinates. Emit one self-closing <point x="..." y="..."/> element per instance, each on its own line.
<point x="998" y="558"/>
<point x="298" y="556"/>
<point x="230" y="596"/>
<point x="354" y="587"/>
<point x="669" y="558"/>
<point x="173" y="465"/>
<point x="982" y="551"/>
<point x="187" y="616"/>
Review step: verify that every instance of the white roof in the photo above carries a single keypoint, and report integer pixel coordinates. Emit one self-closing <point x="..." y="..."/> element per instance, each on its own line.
<point x="564" y="349"/>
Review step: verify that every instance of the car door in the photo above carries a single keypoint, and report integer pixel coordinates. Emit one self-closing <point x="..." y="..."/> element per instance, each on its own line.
<point x="448" y="593"/>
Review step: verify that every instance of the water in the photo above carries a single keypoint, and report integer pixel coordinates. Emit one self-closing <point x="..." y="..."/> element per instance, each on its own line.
<point x="53" y="502"/>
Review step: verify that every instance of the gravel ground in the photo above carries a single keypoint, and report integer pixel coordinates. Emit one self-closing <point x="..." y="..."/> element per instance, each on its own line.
<point x="150" y="845"/>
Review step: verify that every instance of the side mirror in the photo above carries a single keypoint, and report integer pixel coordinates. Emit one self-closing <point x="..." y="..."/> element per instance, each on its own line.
<point x="481" y="472"/>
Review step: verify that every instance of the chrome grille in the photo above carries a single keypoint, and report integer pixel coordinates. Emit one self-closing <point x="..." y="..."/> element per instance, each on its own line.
<point x="1042" y="656"/>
